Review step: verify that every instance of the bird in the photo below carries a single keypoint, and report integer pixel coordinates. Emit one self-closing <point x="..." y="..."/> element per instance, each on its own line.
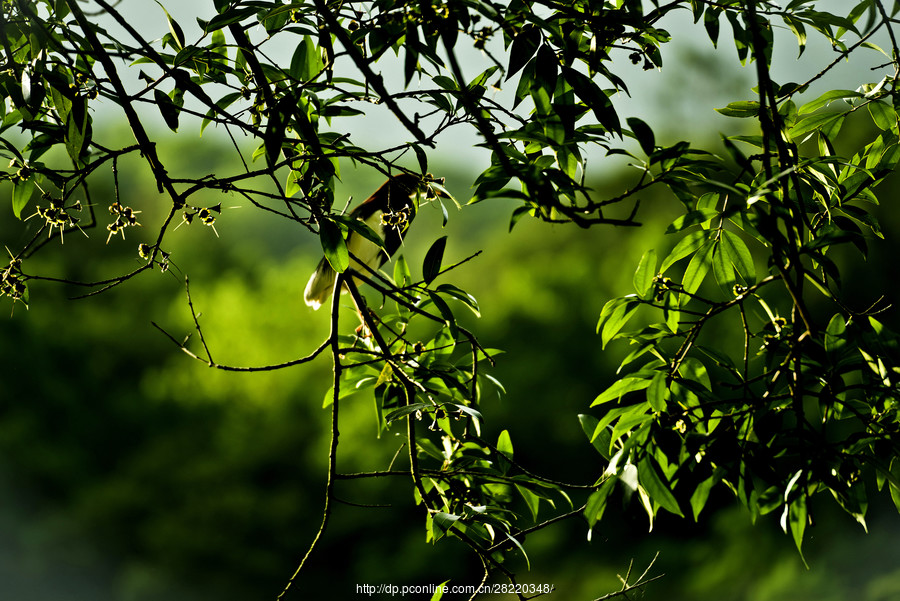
<point x="389" y="212"/>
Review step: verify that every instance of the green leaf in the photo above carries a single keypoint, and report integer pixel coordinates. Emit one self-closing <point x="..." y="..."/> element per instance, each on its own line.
<point x="515" y="541"/>
<point x="596" y="503"/>
<point x="723" y="270"/>
<point x="60" y="93"/>
<point x="445" y="82"/>
<point x="21" y="194"/>
<point x="685" y="221"/>
<point x="827" y="98"/>
<point x="223" y="103"/>
<point x="883" y="114"/>
<point x="504" y="444"/>
<point x="658" y="391"/>
<point x="829" y="124"/>
<point x="546" y="68"/>
<point x="710" y="22"/>
<point x="445" y="311"/>
<point x="620" y="388"/>
<point x="431" y="267"/>
<point x="299" y="68"/>
<point x="795" y="518"/>
<point x="632" y="421"/>
<point x="462" y="296"/>
<point x="614" y="316"/>
<point x="895" y="482"/>
<point x="291" y="185"/>
<point x="532" y="501"/>
<point x="645" y="273"/>
<point x="834" y="335"/>
<point x="656" y="488"/>
<point x="406" y="410"/>
<point x="685" y="247"/>
<point x="402" y="275"/>
<point x="694" y="370"/>
<point x="741" y="110"/>
<point x="798" y="29"/>
<point x="701" y="495"/>
<point x="334" y="245"/>
<point x="174" y="28"/>
<point x="739" y="255"/>
<point x="672" y="311"/>
<point x="600" y="438"/>
<point x="441" y="523"/>
<point x="698" y="268"/>
<point x="387" y="372"/>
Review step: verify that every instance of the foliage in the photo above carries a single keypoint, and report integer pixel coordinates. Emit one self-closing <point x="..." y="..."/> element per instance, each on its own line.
<point x="809" y="404"/>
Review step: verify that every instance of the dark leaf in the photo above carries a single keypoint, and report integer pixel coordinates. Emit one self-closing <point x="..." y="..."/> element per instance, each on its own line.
<point x="658" y="490"/>
<point x="433" y="258"/>
<point x="274" y="136"/>
<point x="169" y="110"/>
<point x="524" y="46"/>
<point x="421" y="157"/>
<point x="595" y="98"/>
<point x="643" y="134"/>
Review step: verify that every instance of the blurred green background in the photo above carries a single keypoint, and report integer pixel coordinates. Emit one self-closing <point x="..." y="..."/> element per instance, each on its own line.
<point x="129" y="472"/>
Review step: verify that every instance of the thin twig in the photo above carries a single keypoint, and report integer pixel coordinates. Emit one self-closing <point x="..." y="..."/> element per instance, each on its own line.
<point x="335" y="434"/>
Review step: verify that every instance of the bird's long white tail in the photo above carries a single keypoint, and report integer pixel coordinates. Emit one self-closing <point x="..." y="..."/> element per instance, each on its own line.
<point x="320" y="285"/>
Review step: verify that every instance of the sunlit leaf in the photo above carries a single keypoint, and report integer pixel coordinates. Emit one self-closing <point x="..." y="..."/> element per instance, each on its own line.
<point x="685" y="247"/>
<point x="698" y="268"/>
<point x="742" y="109"/>
<point x="402" y="275"/>
<point x="614" y="317"/>
<point x="334" y="245"/>
<point x="21" y="194"/>
<point x="620" y="388"/>
<point x="645" y="273"/>
<point x="658" y="391"/>
<point x="739" y="255"/>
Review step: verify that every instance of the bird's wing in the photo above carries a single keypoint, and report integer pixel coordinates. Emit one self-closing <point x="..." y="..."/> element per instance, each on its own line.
<point x="366" y="251"/>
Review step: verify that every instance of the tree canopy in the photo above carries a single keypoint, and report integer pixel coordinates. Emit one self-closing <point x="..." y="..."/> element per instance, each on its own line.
<point x="749" y="368"/>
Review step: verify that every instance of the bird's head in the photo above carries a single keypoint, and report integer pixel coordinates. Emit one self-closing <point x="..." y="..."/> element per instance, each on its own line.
<point x="398" y="198"/>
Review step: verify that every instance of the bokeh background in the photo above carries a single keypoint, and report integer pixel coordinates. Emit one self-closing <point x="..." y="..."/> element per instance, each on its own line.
<point x="129" y="472"/>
